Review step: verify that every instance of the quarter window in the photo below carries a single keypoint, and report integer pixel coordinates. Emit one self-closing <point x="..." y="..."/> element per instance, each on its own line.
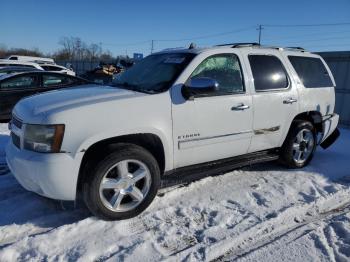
<point x="56" y="80"/>
<point x="225" y="69"/>
<point x="311" y="71"/>
<point x="268" y="73"/>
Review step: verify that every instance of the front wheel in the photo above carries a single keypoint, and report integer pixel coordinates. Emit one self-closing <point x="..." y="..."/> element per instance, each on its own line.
<point x="298" y="149"/>
<point x="123" y="184"/>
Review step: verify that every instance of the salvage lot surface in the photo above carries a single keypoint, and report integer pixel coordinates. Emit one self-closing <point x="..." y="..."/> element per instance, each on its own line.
<point x="260" y="213"/>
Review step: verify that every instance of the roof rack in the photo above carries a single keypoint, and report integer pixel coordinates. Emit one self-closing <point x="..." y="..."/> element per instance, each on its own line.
<point x="233" y="45"/>
<point x="295" y="47"/>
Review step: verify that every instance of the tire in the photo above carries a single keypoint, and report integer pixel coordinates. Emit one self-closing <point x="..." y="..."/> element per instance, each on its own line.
<point x="122" y="184"/>
<point x="296" y="152"/>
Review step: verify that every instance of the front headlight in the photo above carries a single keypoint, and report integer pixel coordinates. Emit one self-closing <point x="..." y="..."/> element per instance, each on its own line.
<point x="43" y="138"/>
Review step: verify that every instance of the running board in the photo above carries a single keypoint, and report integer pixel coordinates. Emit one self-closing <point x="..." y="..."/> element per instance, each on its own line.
<point x="188" y="174"/>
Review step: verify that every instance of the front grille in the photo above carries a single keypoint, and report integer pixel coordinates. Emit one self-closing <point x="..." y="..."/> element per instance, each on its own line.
<point x="16" y="122"/>
<point x="16" y="140"/>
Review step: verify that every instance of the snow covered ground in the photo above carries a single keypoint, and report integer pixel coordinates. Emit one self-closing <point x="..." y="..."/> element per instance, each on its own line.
<point x="260" y="213"/>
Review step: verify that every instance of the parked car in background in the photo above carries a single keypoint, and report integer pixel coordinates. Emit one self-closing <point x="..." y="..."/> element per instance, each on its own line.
<point x="39" y="64"/>
<point x="8" y="63"/>
<point x="57" y="68"/>
<point x="33" y="59"/>
<point x="15" y="86"/>
<point x="15" y="69"/>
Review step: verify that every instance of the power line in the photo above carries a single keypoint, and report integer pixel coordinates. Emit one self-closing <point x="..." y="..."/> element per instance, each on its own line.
<point x="306" y="35"/>
<point x="126" y="44"/>
<point x="307" y="25"/>
<point x="260" y="28"/>
<point x="207" y="36"/>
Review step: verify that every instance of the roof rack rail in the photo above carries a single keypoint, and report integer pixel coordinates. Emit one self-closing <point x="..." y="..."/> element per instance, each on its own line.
<point x="233" y="45"/>
<point x="295" y="47"/>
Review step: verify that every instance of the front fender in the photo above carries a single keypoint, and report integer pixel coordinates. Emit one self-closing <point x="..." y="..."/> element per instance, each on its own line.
<point x="166" y="141"/>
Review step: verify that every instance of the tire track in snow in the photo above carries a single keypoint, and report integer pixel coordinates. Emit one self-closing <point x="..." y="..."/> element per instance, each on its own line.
<point x="286" y="222"/>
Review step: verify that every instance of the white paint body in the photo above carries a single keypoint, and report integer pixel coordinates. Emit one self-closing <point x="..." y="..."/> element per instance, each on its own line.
<point x="58" y="68"/>
<point x="5" y="62"/>
<point x="97" y="113"/>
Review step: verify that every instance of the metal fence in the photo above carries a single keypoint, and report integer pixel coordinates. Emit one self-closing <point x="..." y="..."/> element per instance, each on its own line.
<point x="339" y="63"/>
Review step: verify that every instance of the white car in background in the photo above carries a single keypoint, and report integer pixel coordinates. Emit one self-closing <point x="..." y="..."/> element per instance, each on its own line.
<point x="33" y="59"/>
<point x="8" y="63"/>
<point x="51" y="67"/>
<point x="58" y="69"/>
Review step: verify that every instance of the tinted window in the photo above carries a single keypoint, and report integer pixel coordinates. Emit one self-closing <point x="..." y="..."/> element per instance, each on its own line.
<point x="19" y="82"/>
<point x="311" y="71"/>
<point x="51" y="68"/>
<point x="56" y="80"/>
<point x="268" y="72"/>
<point x="225" y="69"/>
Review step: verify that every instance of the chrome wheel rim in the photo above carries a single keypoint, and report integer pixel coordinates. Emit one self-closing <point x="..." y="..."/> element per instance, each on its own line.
<point x="125" y="185"/>
<point x="303" y="146"/>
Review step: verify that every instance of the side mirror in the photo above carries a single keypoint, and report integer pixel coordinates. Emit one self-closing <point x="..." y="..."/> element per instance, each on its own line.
<point x="200" y="86"/>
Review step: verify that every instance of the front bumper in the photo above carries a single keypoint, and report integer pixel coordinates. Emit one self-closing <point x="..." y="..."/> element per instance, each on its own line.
<point x="51" y="175"/>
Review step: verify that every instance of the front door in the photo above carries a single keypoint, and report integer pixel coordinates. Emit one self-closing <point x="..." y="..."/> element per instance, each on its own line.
<point x="215" y="126"/>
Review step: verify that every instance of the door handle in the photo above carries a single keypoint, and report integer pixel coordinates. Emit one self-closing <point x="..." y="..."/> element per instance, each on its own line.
<point x="290" y="101"/>
<point x="240" y="107"/>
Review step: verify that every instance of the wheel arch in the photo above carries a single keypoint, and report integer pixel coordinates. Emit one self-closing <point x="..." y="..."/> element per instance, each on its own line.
<point x="315" y="117"/>
<point x="100" y="149"/>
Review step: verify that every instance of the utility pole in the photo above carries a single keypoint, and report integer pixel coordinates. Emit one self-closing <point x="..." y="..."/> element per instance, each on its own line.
<point x="260" y="28"/>
<point x="152" y="46"/>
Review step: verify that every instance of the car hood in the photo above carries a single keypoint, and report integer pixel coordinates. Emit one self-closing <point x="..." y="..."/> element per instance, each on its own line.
<point x="69" y="98"/>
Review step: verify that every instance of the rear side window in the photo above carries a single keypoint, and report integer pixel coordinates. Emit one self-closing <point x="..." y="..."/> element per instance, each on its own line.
<point x="311" y="71"/>
<point x="268" y="73"/>
<point x="56" y="80"/>
<point x="51" y="68"/>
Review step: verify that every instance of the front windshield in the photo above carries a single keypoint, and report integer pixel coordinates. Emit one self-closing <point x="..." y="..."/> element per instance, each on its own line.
<point x="155" y="73"/>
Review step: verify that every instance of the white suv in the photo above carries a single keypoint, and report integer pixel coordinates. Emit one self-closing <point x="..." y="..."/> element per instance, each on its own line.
<point x="175" y="115"/>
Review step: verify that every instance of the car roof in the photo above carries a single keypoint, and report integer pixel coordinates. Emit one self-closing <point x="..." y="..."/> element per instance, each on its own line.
<point x="4" y="76"/>
<point x="17" y="62"/>
<point x="19" y="67"/>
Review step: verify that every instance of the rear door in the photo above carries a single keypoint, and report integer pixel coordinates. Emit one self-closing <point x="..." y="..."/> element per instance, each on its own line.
<point x="14" y="89"/>
<point x="275" y="98"/>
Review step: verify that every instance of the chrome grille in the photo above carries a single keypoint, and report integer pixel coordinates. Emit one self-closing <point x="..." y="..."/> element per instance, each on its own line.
<point x="16" y="122"/>
<point x="16" y="131"/>
<point x="16" y="140"/>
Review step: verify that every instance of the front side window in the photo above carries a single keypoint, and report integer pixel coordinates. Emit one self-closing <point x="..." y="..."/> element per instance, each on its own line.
<point x="268" y="73"/>
<point x="311" y="71"/>
<point x="155" y="73"/>
<point x="56" y="80"/>
<point x="225" y="69"/>
<point x="19" y="82"/>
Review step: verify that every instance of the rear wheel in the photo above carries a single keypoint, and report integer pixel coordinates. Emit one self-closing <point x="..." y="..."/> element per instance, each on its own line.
<point x="300" y="145"/>
<point x="123" y="184"/>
